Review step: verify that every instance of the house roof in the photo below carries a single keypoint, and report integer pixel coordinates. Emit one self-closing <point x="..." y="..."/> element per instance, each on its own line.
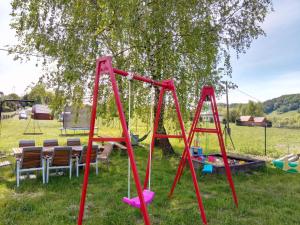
<point x="246" y="118"/>
<point x="259" y="119"/>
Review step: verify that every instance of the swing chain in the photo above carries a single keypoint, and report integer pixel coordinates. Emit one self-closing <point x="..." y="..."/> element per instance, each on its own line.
<point x="129" y="77"/>
<point x="152" y="91"/>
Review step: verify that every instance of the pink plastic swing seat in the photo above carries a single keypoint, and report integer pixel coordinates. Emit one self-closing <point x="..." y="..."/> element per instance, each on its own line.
<point x="135" y="202"/>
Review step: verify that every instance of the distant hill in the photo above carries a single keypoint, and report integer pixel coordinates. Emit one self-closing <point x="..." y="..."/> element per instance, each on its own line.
<point x="283" y="111"/>
<point x="282" y="104"/>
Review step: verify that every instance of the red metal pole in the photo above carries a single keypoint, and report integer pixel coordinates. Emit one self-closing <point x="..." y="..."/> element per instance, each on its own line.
<point x="143" y="208"/>
<point x="190" y="139"/>
<point x="206" y="130"/>
<point x="155" y="127"/>
<point x="90" y="142"/>
<point x="168" y="136"/>
<point x="105" y="62"/>
<point x="207" y="91"/>
<point x="104" y="139"/>
<point x="221" y="143"/>
<point x="197" y="190"/>
<point x="140" y="78"/>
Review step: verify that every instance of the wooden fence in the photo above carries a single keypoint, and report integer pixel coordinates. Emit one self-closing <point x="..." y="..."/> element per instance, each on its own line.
<point x="8" y="115"/>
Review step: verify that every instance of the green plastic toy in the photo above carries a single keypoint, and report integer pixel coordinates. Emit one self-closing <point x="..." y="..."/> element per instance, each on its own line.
<point x="290" y="167"/>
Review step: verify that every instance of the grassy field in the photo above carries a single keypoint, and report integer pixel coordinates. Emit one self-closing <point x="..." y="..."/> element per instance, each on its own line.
<point x="251" y="140"/>
<point x="289" y="119"/>
<point x="268" y="196"/>
<point x="286" y="115"/>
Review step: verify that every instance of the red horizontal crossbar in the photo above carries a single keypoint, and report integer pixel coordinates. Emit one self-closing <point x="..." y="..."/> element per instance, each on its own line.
<point x="168" y="136"/>
<point x="102" y="139"/>
<point x="144" y="79"/>
<point x="206" y="130"/>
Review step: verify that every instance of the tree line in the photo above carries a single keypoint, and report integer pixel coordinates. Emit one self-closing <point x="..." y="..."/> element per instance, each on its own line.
<point x="283" y="104"/>
<point x="236" y="110"/>
<point x="35" y="92"/>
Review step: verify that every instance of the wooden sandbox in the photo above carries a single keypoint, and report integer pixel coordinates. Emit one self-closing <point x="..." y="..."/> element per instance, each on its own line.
<point x="237" y="164"/>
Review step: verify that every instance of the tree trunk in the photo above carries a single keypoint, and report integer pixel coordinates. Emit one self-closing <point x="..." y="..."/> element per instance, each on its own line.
<point x="162" y="143"/>
<point x="155" y="71"/>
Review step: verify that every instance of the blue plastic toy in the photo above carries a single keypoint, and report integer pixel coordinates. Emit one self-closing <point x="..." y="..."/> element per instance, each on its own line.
<point x="196" y="151"/>
<point x="208" y="168"/>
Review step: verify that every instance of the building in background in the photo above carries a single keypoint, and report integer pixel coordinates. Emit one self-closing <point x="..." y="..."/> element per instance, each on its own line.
<point x="253" y="121"/>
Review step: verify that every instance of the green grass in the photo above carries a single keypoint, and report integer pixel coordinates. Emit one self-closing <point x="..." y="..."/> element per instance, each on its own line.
<point x="289" y="119"/>
<point x="268" y="196"/>
<point x="251" y="140"/>
<point x="248" y="140"/>
<point x="284" y="115"/>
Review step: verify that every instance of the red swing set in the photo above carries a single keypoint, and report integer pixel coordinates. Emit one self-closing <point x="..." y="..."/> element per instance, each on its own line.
<point x="207" y="94"/>
<point x="104" y="66"/>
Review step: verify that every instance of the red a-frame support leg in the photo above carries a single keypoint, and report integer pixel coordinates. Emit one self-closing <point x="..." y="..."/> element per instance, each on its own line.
<point x="207" y="94"/>
<point x="183" y="135"/>
<point x="104" y="65"/>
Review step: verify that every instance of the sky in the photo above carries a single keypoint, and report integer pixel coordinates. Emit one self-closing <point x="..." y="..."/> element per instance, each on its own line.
<point x="14" y="76"/>
<point x="269" y="69"/>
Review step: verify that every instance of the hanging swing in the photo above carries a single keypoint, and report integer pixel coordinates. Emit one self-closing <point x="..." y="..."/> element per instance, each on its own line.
<point x="135" y="140"/>
<point x="135" y="202"/>
<point x="134" y="137"/>
<point x="148" y="195"/>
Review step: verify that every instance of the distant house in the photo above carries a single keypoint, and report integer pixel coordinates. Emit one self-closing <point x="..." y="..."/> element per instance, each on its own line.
<point x="253" y="121"/>
<point x="260" y="121"/>
<point x="245" y="121"/>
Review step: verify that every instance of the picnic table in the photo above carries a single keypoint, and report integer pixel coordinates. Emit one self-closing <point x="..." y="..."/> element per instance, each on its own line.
<point x="47" y="151"/>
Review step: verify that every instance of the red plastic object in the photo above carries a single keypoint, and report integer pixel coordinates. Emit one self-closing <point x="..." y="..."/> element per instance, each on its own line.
<point x="104" y="65"/>
<point x="211" y="158"/>
<point x="207" y="93"/>
<point x="135" y="202"/>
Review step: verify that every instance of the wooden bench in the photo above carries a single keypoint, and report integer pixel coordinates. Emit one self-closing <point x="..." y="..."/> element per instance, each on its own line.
<point x="104" y="155"/>
<point x="5" y="163"/>
<point x="120" y="146"/>
<point x="117" y="144"/>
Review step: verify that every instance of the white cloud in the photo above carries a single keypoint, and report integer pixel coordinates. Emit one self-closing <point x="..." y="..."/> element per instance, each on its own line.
<point x="286" y="83"/>
<point x="283" y="84"/>
<point x="16" y="76"/>
<point x="285" y="13"/>
<point x="235" y="96"/>
<point x="270" y="67"/>
<point x="7" y="36"/>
